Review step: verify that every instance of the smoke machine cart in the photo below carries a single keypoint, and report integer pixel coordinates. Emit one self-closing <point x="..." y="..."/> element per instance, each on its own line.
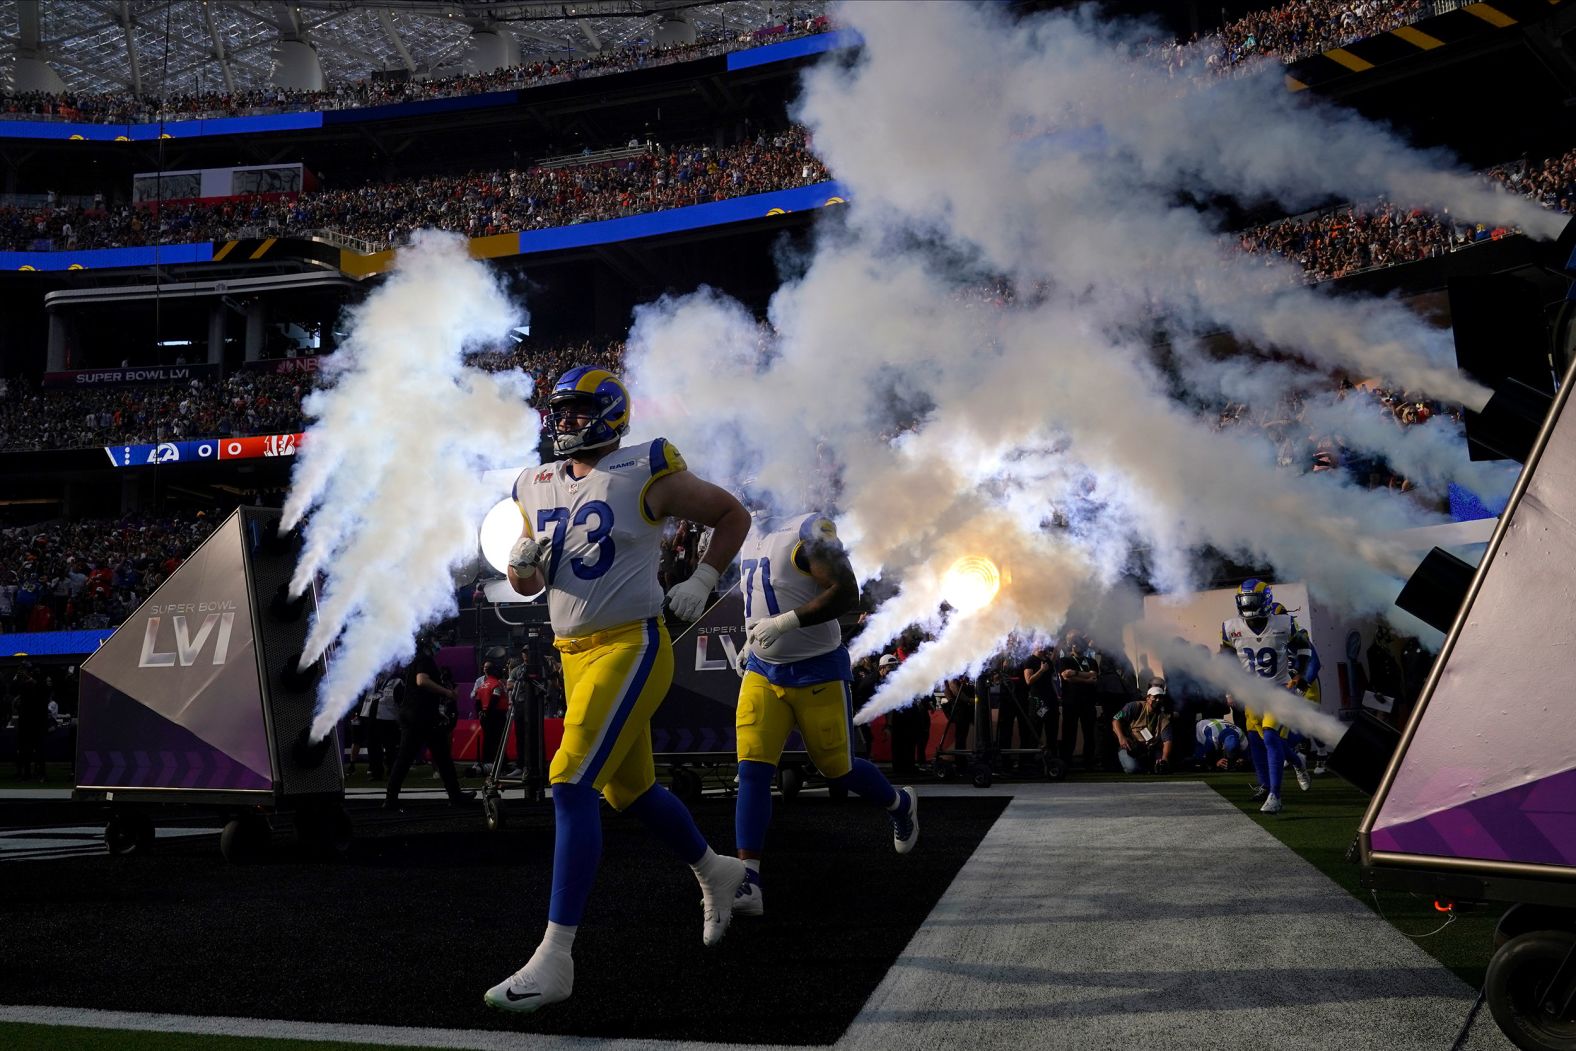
<point x="1478" y="803"/>
<point x="196" y="701"/>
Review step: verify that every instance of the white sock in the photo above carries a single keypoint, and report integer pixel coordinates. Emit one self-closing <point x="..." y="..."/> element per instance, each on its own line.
<point x="560" y="938"/>
<point x="753" y="864"/>
<point x="707" y="865"/>
<point x="897" y="800"/>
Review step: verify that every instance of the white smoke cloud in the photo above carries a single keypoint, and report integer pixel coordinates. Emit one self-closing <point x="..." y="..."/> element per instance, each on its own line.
<point x="389" y="476"/>
<point x="1042" y="433"/>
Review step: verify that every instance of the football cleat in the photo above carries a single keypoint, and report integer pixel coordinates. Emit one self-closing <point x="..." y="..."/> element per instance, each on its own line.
<point x="716" y="899"/>
<point x="1304" y="782"/>
<point x="747" y="899"/>
<point x="1272" y="805"/>
<point x="547" y="979"/>
<point x="905" y="823"/>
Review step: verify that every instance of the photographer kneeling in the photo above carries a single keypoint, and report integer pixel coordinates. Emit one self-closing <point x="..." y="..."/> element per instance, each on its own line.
<point x="1143" y="733"/>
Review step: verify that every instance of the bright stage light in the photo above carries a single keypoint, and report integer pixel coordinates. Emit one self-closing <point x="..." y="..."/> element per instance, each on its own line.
<point x="500" y="529"/>
<point x="971" y="583"/>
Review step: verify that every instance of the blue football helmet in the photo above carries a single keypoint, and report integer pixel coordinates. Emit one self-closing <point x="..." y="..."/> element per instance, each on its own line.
<point x="590" y="392"/>
<point x="1254" y="599"/>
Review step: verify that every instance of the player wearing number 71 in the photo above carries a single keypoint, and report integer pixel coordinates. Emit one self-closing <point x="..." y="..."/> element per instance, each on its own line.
<point x="590" y="535"/>
<point x="796" y="673"/>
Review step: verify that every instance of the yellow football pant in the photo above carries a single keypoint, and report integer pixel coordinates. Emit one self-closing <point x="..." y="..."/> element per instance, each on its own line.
<point x="768" y="713"/>
<point x="613" y="682"/>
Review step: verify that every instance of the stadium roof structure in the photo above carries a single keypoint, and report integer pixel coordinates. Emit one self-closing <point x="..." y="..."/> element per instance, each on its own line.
<point x="171" y="47"/>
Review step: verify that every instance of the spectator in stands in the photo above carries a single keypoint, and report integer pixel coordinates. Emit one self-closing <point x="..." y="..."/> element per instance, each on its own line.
<point x="125" y="108"/>
<point x="476" y="204"/>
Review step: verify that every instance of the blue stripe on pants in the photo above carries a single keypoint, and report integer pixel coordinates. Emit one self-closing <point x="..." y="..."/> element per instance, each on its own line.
<point x="626" y="704"/>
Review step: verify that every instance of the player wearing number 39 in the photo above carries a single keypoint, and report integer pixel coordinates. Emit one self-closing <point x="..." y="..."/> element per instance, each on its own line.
<point x="796" y="582"/>
<point x="590" y="536"/>
<point x="1271" y="645"/>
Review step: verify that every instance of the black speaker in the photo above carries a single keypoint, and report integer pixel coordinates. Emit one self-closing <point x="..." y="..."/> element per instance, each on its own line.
<point x="1509" y="424"/>
<point x="1363" y="755"/>
<point x="1502" y="334"/>
<point x="1436" y="589"/>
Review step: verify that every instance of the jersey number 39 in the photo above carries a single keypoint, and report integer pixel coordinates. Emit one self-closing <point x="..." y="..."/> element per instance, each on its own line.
<point x="1265" y="662"/>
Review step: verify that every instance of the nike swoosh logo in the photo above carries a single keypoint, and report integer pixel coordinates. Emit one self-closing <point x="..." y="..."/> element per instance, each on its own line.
<point x="818" y="690"/>
<point x="511" y="997"/>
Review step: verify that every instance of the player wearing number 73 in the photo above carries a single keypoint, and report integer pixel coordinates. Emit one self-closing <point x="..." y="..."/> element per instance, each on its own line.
<point x="590" y="536"/>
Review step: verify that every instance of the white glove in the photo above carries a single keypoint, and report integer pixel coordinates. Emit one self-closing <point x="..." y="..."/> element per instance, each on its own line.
<point x="688" y="600"/>
<point x="526" y="555"/>
<point x="767" y="631"/>
<point x="743" y="658"/>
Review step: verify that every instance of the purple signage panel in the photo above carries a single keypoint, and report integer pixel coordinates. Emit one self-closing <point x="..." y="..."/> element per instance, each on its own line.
<point x="172" y="699"/>
<point x="699" y="712"/>
<point x="1490" y="771"/>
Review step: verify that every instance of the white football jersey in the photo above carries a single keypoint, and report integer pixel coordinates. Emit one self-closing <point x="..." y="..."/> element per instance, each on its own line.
<point x="603" y="546"/>
<point x="1268" y="653"/>
<point x="772" y="583"/>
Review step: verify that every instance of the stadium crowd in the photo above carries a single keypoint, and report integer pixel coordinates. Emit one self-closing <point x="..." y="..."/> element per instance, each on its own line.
<point x="128" y="108"/>
<point x="63" y="574"/>
<point x="476" y="204"/>
<point x="88" y="417"/>
<point x="1295" y="30"/>
<point x="1342" y="241"/>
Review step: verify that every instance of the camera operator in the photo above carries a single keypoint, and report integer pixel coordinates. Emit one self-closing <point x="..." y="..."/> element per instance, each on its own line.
<point x="1039" y="671"/>
<point x="32" y="721"/>
<point x="1015" y="712"/>
<point x="426" y="718"/>
<point x="1143" y="732"/>
<point x="492" y="708"/>
<point x="961" y="695"/>
<point x="1080" y="677"/>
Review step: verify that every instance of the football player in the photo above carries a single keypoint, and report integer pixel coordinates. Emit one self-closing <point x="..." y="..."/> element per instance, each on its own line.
<point x="592" y="524"/>
<point x="1270" y="644"/>
<point x="1219" y="743"/>
<point x="796" y="582"/>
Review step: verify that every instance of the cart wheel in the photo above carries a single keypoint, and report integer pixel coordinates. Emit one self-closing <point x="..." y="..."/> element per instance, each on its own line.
<point x="982" y="776"/>
<point x="789" y="780"/>
<point x="1518" y="982"/>
<point x="1055" y="769"/>
<point x="127" y="833"/>
<point x="947" y="771"/>
<point x="492" y="809"/>
<point x="245" y="838"/>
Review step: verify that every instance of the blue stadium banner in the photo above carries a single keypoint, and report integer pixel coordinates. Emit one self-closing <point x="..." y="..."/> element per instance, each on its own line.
<point x="796" y="48"/>
<point x="190" y="451"/>
<point x="131" y="376"/>
<point x="152" y="132"/>
<point x="105" y="258"/>
<point x="672" y="220"/>
<point x="52" y="643"/>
